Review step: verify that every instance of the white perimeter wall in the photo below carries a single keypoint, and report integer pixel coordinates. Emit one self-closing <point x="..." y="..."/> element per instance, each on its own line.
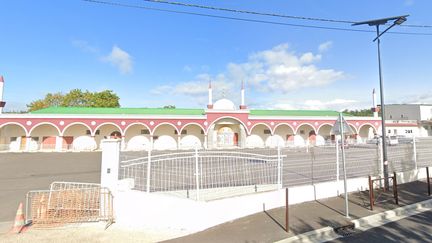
<point x="151" y="210"/>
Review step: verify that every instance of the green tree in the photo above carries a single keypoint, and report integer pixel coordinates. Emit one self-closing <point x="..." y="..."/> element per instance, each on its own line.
<point x="77" y="98"/>
<point x="106" y="98"/>
<point x="362" y="112"/>
<point x="169" y="107"/>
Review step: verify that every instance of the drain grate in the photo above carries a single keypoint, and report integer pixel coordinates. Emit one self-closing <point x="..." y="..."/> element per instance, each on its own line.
<point x="346" y="230"/>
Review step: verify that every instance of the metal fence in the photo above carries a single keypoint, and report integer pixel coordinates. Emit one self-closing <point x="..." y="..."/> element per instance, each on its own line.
<point x="213" y="174"/>
<point x="69" y="202"/>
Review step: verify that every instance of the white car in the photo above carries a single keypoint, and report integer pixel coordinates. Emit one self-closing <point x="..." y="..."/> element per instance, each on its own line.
<point x="392" y="140"/>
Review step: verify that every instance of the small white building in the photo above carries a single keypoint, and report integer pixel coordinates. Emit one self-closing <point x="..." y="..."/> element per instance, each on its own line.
<point x="409" y="120"/>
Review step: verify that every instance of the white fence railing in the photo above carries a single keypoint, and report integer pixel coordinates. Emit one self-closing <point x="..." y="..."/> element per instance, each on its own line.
<point x="212" y="174"/>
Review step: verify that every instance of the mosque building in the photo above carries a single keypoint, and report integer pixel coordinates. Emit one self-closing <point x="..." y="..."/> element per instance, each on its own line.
<point x="221" y="124"/>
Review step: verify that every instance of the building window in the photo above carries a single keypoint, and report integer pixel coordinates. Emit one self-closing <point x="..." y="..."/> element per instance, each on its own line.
<point x="97" y="132"/>
<point x="267" y="131"/>
<point x="155" y="137"/>
<point x="88" y="132"/>
<point x="402" y="116"/>
<point x="391" y="117"/>
<point x="36" y="139"/>
<point x="389" y="131"/>
<point x="302" y="132"/>
<point x="13" y="139"/>
<point x="202" y="131"/>
<point x="145" y="131"/>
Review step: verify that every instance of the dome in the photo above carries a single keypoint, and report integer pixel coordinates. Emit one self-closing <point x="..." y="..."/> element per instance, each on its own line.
<point x="224" y="104"/>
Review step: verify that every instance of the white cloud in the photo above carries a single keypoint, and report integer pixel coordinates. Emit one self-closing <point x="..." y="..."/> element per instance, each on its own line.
<point x="277" y="70"/>
<point x="187" y="68"/>
<point x="314" y="104"/>
<point x="325" y="46"/>
<point x="120" y="59"/>
<point x="85" y="46"/>
<point x="425" y="98"/>
<point x="409" y="2"/>
<point x="282" y="70"/>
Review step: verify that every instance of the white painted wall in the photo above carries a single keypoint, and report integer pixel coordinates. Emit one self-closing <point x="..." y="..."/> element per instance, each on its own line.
<point x="84" y="143"/>
<point x="139" y="142"/>
<point x="274" y="141"/>
<point x="193" y="138"/>
<point x="166" y="212"/>
<point x="254" y="141"/>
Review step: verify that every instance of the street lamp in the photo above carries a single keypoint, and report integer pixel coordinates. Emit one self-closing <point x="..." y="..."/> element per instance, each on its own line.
<point x="397" y="20"/>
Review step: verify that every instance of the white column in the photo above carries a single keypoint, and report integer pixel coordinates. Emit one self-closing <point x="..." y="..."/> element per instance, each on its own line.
<point x="59" y="143"/>
<point x="28" y="142"/>
<point x="2" y="103"/>
<point x="210" y="97"/>
<point x="374" y="102"/>
<point x="123" y="143"/>
<point x="110" y="163"/>
<point x="178" y="141"/>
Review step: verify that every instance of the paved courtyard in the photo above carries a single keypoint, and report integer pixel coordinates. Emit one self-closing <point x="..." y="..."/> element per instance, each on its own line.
<point x="22" y="172"/>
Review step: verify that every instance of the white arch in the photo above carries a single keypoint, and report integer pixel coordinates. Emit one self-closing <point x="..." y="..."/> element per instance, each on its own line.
<point x="261" y="123"/>
<point x="318" y="129"/>
<point x="354" y="128"/>
<point x="163" y="123"/>
<point x="135" y="123"/>
<point x="224" y="117"/>
<point x="44" y="123"/>
<point x="192" y="123"/>
<point x="72" y="124"/>
<point x="107" y="123"/>
<point x="360" y="127"/>
<point x="281" y="124"/>
<point x="15" y="123"/>
<point x="305" y="124"/>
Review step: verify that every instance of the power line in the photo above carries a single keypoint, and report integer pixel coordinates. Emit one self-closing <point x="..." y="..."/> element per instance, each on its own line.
<point x="249" y="12"/>
<point x="267" y="14"/>
<point x="119" y="4"/>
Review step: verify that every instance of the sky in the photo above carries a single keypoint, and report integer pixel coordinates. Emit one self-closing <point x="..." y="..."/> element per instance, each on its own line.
<point x="155" y="58"/>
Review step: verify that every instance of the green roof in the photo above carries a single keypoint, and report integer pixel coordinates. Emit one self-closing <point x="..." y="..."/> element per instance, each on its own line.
<point x="176" y="111"/>
<point x="118" y="111"/>
<point x="294" y="113"/>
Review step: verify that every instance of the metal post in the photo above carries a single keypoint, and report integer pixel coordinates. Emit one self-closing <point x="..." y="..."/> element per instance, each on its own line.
<point x="148" y="169"/>
<point x="279" y="168"/>
<point x="343" y="164"/>
<point x="371" y="194"/>
<point x="337" y="163"/>
<point x="197" y="174"/>
<point x="415" y="153"/>
<point x="286" y="211"/>
<point x="395" y="191"/>
<point x="383" y="128"/>
<point x="428" y="180"/>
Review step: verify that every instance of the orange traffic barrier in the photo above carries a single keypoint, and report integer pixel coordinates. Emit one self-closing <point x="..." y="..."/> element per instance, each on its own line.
<point x="19" y="220"/>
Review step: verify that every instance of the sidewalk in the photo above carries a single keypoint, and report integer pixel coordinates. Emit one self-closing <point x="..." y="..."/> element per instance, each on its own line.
<point x="269" y="226"/>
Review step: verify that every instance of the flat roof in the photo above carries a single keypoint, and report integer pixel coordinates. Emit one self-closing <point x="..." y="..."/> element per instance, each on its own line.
<point x="175" y="111"/>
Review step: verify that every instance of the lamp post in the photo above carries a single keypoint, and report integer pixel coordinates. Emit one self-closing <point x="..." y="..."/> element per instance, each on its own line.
<point x="397" y="20"/>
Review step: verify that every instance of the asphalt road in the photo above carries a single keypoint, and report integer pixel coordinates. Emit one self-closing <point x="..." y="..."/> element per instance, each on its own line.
<point x="22" y="172"/>
<point x="417" y="228"/>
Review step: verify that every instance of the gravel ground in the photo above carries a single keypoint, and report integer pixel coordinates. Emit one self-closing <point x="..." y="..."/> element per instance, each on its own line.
<point x="91" y="233"/>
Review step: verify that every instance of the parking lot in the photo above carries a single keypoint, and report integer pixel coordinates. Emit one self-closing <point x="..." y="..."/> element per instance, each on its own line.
<point x="22" y="172"/>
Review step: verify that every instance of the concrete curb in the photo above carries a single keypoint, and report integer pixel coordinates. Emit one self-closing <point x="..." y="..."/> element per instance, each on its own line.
<point x="319" y="235"/>
<point x="376" y="220"/>
<point x="379" y="219"/>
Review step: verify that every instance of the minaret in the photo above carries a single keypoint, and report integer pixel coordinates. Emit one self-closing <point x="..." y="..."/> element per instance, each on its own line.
<point x="242" y="105"/>
<point x="374" y="106"/>
<point x="2" y="103"/>
<point x="210" y="96"/>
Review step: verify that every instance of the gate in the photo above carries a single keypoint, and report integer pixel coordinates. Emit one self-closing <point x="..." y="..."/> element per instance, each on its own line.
<point x="68" y="202"/>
